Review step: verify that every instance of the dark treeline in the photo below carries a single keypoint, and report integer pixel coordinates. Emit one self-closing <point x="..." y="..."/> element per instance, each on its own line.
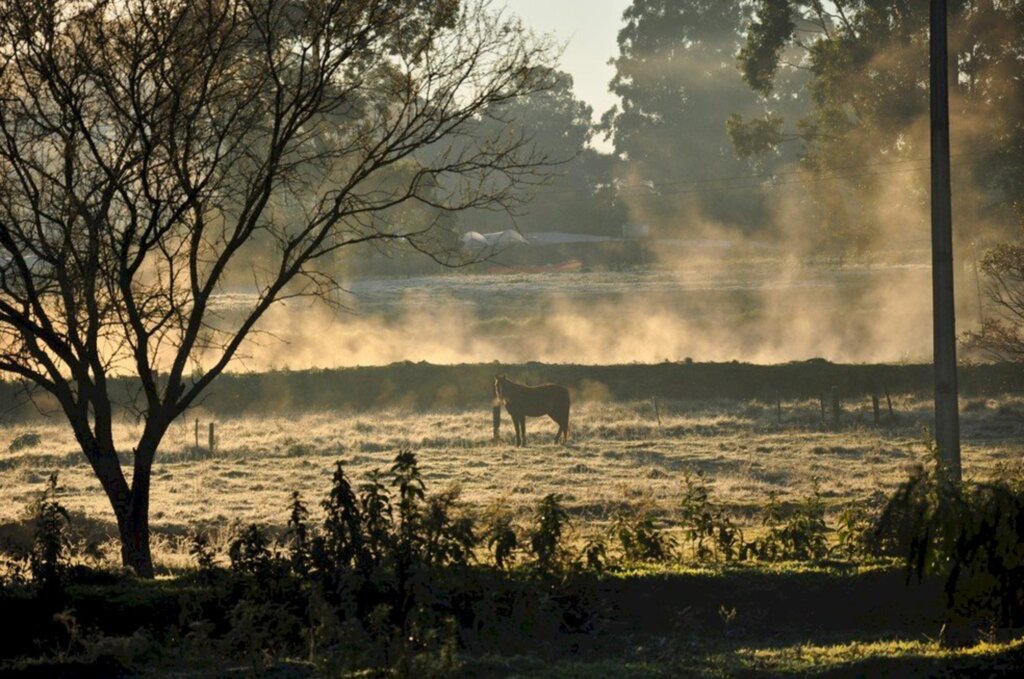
<point x="424" y="386"/>
<point x="798" y="122"/>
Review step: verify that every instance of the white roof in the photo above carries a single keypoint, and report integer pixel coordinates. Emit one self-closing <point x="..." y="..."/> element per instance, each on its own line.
<point x="507" y="237"/>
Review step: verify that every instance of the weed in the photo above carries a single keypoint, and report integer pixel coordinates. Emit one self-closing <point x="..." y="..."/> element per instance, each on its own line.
<point x="640" y="538"/>
<point x="502" y="539"/>
<point x="298" y="536"/>
<point x="48" y="559"/>
<point x="799" y="535"/>
<point x="202" y="553"/>
<point x="545" y="538"/>
<point x="709" y="531"/>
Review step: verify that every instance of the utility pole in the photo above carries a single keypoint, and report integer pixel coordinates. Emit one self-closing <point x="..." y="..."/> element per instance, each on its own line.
<point x="947" y="415"/>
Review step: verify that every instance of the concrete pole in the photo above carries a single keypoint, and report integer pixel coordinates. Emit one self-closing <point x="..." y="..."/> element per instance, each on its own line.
<point x="947" y="415"/>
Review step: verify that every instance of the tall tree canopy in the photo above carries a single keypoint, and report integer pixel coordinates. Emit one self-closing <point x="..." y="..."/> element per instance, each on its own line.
<point x="152" y="150"/>
<point x="677" y="83"/>
<point x="579" y="196"/>
<point x="867" y="62"/>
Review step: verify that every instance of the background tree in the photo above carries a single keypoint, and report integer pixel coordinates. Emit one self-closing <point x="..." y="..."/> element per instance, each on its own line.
<point x="677" y="83"/>
<point x="579" y="196"/>
<point x="153" y="150"/>
<point x="867" y="122"/>
<point x="1001" y="334"/>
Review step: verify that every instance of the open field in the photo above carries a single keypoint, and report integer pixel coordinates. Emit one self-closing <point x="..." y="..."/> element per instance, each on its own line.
<point x="618" y="453"/>
<point x="680" y="618"/>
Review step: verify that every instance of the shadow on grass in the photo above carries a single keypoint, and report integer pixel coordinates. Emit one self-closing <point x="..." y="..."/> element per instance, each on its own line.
<point x="748" y="621"/>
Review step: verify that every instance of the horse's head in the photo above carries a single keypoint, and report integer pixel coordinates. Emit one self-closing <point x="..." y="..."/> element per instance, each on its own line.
<point x="499" y="384"/>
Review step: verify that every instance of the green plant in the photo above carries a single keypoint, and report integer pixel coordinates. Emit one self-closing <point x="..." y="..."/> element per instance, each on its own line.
<point x="709" y="531"/>
<point x="640" y="538"/>
<point x="298" y="536"/>
<point x="249" y="552"/>
<point x="50" y="546"/>
<point x="202" y="553"/>
<point x="502" y="538"/>
<point x="545" y="538"/>
<point x="594" y="555"/>
<point x="342" y="542"/>
<point x="853" y="526"/>
<point x="375" y="505"/>
<point x="970" y="535"/>
<point x="385" y="583"/>
<point x="405" y="476"/>
<point x="797" y="535"/>
<point x="448" y="537"/>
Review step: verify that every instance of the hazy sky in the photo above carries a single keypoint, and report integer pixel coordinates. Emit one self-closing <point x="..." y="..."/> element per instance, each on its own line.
<point x="589" y="27"/>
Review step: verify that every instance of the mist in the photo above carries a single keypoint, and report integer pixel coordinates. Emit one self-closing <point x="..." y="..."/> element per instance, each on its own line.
<point x="813" y="252"/>
<point x="764" y="309"/>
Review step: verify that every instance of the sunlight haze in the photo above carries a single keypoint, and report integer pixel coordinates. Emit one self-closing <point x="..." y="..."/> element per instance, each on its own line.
<point x="589" y="29"/>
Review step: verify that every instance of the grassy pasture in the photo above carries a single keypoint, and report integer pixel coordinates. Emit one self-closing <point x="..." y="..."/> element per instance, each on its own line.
<point x="618" y="454"/>
<point x="752" y="619"/>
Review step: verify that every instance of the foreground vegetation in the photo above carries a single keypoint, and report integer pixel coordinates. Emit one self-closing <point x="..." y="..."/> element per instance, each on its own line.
<point x="711" y="537"/>
<point x="394" y="580"/>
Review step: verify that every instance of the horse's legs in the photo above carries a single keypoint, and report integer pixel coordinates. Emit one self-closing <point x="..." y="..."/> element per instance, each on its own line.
<point x="522" y="425"/>
<point x="515" y="423"/>
<point x="563" y="426"/>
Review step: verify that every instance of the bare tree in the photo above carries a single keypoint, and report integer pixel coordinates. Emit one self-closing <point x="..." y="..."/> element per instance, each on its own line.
<point x="152" y="150"/>
<point x="1001" y="335"/>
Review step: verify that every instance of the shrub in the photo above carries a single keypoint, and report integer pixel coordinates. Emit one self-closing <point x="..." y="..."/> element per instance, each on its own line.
<point x="799" y="535"/>
<point x="594" y="555"/>
<point x="709" y="530"/>
<point x="377" y="517"/>
<point x="249" y="552"/>
<point x="640" y="538"/>
<point x="202" y="553"/>
<point x="853" y="528"/>
<point x="970" y="535"/>
<point x="298" y="537"/>
<point x="342" y="543"/>
<point x="449" y="533"/>
<point x="383" y="584"/>
<point x="50" y="545"/>
<point x="502" y="539"/>
<point x="27" y="440"/>
<point x="545" y="538"/>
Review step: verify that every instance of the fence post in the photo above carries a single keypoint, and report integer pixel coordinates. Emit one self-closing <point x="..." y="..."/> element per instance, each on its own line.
<point x="835" y="407"/>
<point x="496" y="418"/>
<point x="197" y="433"/>
<point x="212" y="438"/>
<point x="657" y="413"/>
<point x="874" y="406"/>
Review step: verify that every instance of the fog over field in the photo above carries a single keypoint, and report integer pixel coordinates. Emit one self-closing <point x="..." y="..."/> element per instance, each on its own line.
<point x="760" y="308"/>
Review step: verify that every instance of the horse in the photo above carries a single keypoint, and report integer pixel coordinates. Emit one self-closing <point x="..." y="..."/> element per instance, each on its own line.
<point x="521" y="401"/>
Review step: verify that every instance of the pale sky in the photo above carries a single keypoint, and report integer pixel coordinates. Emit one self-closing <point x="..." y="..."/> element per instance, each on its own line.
<point x="590" y="28"/>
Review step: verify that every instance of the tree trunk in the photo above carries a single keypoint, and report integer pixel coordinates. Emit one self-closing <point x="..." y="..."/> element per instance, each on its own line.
<point x="131" y="507"/>
<point x="133" y="527"/>
<point x="135" y="552"/>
